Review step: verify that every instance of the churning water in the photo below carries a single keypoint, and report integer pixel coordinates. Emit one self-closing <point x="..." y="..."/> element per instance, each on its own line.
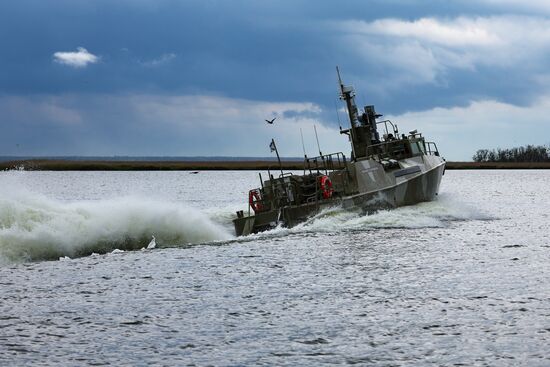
<point x="464" y="280"/>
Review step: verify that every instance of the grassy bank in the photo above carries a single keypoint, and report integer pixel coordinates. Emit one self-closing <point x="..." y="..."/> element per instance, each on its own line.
<point x="69" y="165"/>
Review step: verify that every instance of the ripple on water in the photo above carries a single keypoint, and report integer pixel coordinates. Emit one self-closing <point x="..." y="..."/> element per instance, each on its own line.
<point x="463" y="281"/>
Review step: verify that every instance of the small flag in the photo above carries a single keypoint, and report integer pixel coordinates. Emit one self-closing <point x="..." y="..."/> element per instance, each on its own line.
<point x="272" y="146"/>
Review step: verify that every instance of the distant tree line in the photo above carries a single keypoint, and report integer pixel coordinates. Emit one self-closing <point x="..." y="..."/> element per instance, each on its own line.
<point x="530" y="153"/>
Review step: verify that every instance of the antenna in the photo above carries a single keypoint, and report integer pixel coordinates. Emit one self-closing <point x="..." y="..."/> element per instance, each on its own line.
<point x="303" y="145"/>
<point x="316" y="137"/>
<point x="341" y="85"/>
<point x="304" y="149"/>
<point x="273" y="148"/>
<point x="337" y="115"/>
<point x="320" y="153"/>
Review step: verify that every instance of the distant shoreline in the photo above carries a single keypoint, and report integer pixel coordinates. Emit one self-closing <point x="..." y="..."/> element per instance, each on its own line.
<point x="172" y="165"/>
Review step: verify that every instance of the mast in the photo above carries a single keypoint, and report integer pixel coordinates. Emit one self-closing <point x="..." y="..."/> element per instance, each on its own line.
<point x="348" y="94"/>
<point x="363" y="132"/>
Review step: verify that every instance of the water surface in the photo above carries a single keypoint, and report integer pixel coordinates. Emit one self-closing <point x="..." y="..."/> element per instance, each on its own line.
<point x="463" y="280"/>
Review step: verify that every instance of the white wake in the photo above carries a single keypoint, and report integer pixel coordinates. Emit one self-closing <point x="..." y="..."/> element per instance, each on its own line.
<point x="34" y="227"/>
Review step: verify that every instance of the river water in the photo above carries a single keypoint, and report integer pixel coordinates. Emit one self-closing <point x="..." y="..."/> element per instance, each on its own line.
<point x="464" y="280"/>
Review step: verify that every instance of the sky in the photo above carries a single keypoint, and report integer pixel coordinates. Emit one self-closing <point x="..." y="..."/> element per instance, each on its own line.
<point x="199" y="78"/>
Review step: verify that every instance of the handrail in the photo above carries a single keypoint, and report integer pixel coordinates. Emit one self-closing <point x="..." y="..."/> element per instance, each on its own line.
<point x="429" y="150"/>
<point x="382" y="149"/>
<point x="328" y="162"/>
<point x="394" y="127"/>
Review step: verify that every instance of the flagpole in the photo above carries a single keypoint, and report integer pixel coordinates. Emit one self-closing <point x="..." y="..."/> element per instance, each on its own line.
<point x="273" y="147"/>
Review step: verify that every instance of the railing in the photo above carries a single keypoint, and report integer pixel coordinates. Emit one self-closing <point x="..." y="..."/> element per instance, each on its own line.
<point x="431" y="148"/>
<point x="326" y="162"/>
<point x="394" y="127"/>
<point x="398" y="149"/>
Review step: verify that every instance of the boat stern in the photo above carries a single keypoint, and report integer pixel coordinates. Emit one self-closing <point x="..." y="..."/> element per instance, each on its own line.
<point x="245" y="225"/>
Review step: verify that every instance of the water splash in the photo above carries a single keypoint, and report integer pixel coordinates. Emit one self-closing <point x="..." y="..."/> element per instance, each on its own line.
<point x="34" y="227"/>
<point x="434" y="214"/>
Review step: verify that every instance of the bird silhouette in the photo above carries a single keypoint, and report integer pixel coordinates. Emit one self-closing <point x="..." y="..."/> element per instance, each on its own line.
<point x="270" y="121"/>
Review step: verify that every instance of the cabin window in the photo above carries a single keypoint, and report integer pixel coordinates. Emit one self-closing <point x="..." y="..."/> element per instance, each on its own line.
<point x="415" y="149"/>
<point x="422" y="146"/>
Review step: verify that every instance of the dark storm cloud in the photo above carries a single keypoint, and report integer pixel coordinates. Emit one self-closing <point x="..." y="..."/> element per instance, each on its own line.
<point x="246" y="49"/>
<point x="401" y="55"/>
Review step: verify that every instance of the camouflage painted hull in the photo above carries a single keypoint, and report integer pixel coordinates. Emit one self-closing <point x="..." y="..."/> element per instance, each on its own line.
<point x="407" y="189"/>
<point x="371" y="187"/>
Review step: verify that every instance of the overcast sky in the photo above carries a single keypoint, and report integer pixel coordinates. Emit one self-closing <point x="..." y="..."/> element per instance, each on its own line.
<point x="198" y="78"/>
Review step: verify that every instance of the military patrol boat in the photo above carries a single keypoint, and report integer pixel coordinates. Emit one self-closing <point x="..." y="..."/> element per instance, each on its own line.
<point x="382" y="173"/>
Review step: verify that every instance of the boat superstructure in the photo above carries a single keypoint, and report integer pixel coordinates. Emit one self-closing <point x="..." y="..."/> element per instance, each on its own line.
<point x="383" y="172"/>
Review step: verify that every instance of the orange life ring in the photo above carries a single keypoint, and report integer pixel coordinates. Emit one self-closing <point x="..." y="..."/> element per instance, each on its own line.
<point x="254" y="200"/>
<point x="326" y="187"/>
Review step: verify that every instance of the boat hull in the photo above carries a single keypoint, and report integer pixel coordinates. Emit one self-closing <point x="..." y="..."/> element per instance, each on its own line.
<point x="407" y="186"/>
<point x="423" y="186"/>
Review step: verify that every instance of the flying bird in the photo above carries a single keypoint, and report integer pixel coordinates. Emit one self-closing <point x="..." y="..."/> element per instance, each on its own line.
<point x="270" y="121"/>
